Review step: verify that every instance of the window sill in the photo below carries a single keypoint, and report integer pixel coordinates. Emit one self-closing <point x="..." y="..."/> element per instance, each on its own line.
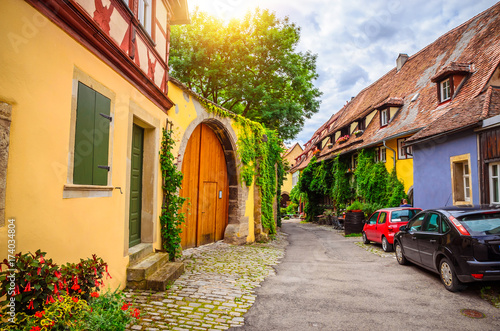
<point x="86" y="191"/>
<point x="462" y="203"/>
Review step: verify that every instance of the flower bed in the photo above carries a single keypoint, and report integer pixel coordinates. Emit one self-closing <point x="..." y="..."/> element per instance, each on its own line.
<point x="39" y="295"/>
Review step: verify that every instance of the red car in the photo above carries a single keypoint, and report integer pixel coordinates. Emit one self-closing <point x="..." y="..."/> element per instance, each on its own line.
<point x="384" y="224"/>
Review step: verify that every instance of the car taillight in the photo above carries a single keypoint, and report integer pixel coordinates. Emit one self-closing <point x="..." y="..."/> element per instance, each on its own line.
<point x="459" y="226"/>
<point x="477" y="276"/>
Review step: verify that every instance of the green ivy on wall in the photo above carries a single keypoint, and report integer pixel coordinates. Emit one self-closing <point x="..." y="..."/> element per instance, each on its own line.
<point x="260" y="152"/>
<point x="171" y="218"/>
<point x="370" y="182"/>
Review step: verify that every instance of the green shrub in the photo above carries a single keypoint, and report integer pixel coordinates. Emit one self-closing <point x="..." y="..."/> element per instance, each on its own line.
<point x="30" y="281"/>
<point x="110" y="312"/>
<point x="33" y="281"/>
<point x="356" y="205"/>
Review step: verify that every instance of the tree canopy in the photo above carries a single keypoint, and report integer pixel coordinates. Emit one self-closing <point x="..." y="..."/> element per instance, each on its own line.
<point x="249" y="66"/>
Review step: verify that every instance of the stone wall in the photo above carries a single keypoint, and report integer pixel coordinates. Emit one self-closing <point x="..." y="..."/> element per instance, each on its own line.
<point x="5" y="119"/>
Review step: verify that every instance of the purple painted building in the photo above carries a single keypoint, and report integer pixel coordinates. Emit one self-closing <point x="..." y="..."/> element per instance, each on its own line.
<point x="445" y="171"/>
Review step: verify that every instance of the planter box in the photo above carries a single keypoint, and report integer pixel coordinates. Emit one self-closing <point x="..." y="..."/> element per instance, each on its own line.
<point x="354" y="222"/>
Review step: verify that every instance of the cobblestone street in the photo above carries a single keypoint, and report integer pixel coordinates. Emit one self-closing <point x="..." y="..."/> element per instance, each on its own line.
<point x="215" y="291"/>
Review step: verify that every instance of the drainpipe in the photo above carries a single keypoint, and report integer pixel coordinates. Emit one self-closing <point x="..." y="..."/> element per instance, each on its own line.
<point x="393" y="151"/>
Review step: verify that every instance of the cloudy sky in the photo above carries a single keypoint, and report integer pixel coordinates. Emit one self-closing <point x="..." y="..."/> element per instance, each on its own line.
<point x="358" y="41"/>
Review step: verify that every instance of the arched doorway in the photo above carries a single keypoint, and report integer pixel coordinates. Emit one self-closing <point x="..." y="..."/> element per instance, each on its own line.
<point x="205" y="184"/>
<point x="285" y="200"/>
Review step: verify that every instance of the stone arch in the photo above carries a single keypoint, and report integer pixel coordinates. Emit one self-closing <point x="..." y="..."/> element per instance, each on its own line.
<point x="237" y="227"/>
<point x="285" y="198"/>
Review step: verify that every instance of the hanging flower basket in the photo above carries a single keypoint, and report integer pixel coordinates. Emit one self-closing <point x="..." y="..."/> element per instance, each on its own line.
<point x="343" y="139"/>
<point x="358" y="133"/>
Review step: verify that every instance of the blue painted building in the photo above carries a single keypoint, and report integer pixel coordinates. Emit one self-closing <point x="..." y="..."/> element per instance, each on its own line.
<point x="445" y="171"/>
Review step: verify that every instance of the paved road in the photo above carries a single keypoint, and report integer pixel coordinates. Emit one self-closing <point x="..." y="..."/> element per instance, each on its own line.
<point x="326" y="282"/>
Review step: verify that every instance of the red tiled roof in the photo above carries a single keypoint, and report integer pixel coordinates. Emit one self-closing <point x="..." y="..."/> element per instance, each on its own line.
<point x="453" y="68"/>
<point x="473" y="48"/>
<point x="465" y="115"/>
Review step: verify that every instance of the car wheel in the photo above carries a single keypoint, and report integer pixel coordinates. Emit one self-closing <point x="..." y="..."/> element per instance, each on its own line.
<point x="399" y="253"/>
<point x="385" y="245"/>
<point x="365" y="240"/>
<point x="448" y="276"/>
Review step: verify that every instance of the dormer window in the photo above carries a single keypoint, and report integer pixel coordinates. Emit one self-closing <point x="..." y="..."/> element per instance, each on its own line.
<point x="384" y="117"/>
<point x="445" y="89"/>
<point x="448" y="80"/>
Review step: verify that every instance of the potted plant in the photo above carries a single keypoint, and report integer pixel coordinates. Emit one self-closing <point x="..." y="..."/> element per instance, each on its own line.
<point x="356" y="206"/>
<point x="343" y="139"/>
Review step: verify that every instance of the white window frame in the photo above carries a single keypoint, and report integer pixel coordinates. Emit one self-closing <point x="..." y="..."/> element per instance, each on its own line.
<point x="402" y="150"/>
<point x="384" y="117"/>
<point x="145" y="13"/>
<point x="466" y="176"/>
<point x="295" y="178"/>
<point x="492" y="178"/>
<point x="380" y="154"/>
<point x="445" y="89"/>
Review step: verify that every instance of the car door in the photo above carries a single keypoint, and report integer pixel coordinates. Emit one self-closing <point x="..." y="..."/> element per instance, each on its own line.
<point x="429" y="238"/>
<point x="380" y="228"/>
<point x="409" y="238"/>
<point x="371" y="225"/>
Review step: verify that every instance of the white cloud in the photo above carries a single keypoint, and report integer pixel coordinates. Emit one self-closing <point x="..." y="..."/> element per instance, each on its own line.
<point x="357" y="42"/>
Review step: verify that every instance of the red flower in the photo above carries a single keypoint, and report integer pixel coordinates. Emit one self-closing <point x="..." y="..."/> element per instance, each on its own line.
<point x="30" y="306"/>
<point x="75" y="287"/>
<point x="42" y="260"/>
<point x="94" y="295"/>
<point x="35" y="328"/>
<point x="38" y="271"/>
<point x="55" y="289"/>
<point x="39" y="314"/>
<point x="75" y="299"/>
<point x="16" y="291"/>
<point x="136" y="313"/>
<point x="28" y="287"/>
<point x="50" y="299"/>
<point x="57" y="274"/>
<point x="125" y="306"/>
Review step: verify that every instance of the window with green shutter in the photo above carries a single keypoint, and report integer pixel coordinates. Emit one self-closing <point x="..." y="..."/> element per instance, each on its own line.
<point x="91" y="137"/>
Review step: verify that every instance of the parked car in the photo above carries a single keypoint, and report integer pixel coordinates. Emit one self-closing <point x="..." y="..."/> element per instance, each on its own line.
<point x="385" y="223"/>
<point x="460" y="244"/>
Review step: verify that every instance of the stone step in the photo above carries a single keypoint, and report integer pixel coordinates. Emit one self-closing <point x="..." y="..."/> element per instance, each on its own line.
<point x="138" y="252"/>
<point x="142" y="269"/>
<point x="165" y="276"/>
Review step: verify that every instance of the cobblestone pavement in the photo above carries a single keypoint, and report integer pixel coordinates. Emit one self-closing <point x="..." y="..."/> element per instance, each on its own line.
<point x="215" y="291"/>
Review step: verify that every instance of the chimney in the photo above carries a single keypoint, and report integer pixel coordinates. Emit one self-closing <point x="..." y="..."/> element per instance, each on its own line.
<point x="401" y="60"/>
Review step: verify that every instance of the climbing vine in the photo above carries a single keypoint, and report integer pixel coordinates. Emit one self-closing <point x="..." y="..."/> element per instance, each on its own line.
<point x="171" y="218"/>
<point x="260" y="153"/>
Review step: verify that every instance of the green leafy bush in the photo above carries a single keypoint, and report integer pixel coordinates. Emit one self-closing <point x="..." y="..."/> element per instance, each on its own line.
<point x="33" y="281"/>
<point x="356" y="205"/>
<point x="30" y="282"/>
<point x="110" y="312"/>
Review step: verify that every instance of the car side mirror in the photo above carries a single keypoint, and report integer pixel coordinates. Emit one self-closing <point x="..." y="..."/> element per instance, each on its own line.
<point x="403" y="228"/>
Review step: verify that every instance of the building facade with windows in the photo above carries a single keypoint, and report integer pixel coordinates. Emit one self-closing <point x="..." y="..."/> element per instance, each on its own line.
<point x="84" y="97"/>
<point x="431" y="118"/>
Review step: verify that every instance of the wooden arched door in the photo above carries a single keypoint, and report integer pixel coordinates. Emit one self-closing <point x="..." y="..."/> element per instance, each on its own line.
<point x="205" y="184"/>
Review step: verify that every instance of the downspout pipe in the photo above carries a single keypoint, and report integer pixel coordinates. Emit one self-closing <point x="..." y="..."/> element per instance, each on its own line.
<point x="394" y="153"/>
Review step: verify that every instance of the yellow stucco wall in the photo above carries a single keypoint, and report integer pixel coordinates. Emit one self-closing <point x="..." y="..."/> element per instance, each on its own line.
<point x="404" y="168"/>
<point x="37" y="77"/>
<point x="290" y="157"/>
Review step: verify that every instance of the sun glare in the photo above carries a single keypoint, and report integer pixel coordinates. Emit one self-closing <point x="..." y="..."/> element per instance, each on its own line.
<point x="227" y="9"/>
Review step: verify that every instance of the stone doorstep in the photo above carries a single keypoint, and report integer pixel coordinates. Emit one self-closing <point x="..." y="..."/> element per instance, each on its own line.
<point x="165" y="276"/>
<point x="146" y="266"/>
<point x="138" y="252"/>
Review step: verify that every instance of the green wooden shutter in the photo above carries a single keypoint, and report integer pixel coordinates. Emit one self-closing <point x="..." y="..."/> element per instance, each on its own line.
<point x="91" y="137"/>
<point x="84" y="136"/>
<point x="101" y="139"/>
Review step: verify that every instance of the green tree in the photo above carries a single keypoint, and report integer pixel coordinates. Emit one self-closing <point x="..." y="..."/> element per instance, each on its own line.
<point x="249" y="66"/>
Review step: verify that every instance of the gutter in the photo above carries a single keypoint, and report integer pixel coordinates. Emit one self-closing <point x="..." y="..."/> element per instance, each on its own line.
<point x="418" y="141"/>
